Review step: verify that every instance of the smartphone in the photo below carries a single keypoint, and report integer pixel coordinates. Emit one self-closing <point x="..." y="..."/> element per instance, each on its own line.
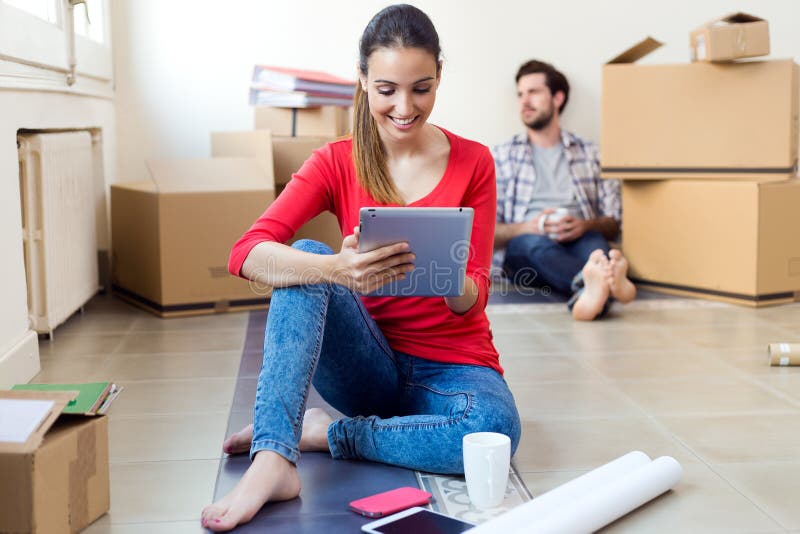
<point x="417" y="520"/>
<point x="389" y="502"/>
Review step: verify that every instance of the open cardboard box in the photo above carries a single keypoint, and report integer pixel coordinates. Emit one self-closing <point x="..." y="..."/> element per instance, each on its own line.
<point x="693" y="121"/>
<point x="287" y="154"/>
<point x="58" y="480"/>
<point x="731" y="241"/>
<point x="172" y="234"/>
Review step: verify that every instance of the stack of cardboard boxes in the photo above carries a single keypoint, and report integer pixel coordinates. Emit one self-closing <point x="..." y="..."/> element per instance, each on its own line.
<point x="707" y="152"/>
<point x="172" y="232"/>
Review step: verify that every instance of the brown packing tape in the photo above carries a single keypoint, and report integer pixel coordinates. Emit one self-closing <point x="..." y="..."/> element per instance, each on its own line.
<point x="81" y="469"/>
<point x="784" y="354"/>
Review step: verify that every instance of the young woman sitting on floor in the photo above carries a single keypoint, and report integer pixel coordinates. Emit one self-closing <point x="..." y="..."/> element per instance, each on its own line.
<point x="413" y="375"/>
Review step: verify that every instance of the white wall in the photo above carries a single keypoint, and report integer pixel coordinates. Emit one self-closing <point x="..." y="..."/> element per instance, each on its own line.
<point x="183" y="67"/>
<point x="33" y="110"/>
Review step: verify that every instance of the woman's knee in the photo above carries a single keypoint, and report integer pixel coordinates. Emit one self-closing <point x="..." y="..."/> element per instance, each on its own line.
<point x="311" y="246"/>
<point x="502" y="420"/>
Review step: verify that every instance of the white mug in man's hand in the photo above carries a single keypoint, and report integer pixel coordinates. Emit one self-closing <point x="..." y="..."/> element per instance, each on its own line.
<point x="487" y="458"/>
<point x="555" y="216"/>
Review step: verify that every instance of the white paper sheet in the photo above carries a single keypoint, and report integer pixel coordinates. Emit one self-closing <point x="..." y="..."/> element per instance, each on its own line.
<point x="591" y="501"/>
<point x="20" y="417"/>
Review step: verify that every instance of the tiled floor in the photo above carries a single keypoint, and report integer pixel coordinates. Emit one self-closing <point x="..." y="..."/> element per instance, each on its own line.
<point x="674" y="377"/>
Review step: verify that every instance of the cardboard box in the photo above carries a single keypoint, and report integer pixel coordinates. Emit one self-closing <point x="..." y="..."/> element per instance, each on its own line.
<point x="283" y="155"/>
<point x="172" y="234"/>
<point x="733" y="36"/>
<point x="693" y="121"/>
<point x="255" y="144"/>
<point x="290" y="153"/>
<point x="726" y="240"/>
<point x="57" y="481"/>
<point x="329" y="121"/>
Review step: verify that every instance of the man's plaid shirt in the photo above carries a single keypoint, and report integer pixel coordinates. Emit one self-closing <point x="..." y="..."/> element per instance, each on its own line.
<point x="516" y="177"/>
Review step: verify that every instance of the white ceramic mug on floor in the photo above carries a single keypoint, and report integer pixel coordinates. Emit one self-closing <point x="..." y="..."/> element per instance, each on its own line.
<point x="487" y="456"/>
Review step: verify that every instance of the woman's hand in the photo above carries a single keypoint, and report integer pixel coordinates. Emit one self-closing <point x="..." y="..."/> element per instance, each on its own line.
<point x="364" y="272"/>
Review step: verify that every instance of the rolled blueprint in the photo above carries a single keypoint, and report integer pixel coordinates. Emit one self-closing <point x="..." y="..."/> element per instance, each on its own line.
<point x="783" y="354"/>
<point x="597" y="509"/>
<point x="591" y="482"/>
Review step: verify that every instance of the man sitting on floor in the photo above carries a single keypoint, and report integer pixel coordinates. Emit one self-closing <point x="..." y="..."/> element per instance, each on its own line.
<point x="555" y="216"/>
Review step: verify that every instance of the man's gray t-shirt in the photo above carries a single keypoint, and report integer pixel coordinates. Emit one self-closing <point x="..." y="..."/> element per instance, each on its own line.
<point x="553" y="185"/>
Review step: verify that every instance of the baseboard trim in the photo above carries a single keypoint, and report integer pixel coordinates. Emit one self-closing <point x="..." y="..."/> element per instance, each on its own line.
<point x="21" y="363"/>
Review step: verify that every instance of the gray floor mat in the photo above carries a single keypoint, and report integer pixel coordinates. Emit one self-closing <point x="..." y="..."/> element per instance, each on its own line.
<point x="327" y="485"/>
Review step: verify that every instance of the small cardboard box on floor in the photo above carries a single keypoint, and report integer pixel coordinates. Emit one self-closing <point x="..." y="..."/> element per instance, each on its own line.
<point x="172" y="234"/>
<point x="692" y="121"/>
<point x="733" y="36"/>
<point x="57" y="481"/>
<point x="287" y="154"/>
<point x="726" y="240"/>
<point x="324" y="121"/>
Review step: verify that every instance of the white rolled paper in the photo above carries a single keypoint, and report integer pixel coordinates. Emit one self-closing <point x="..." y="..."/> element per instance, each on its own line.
<point x="593" y="500"/>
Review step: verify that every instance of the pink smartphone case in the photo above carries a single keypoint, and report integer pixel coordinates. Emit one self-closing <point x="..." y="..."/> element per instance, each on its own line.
<point x="389" y="502"/>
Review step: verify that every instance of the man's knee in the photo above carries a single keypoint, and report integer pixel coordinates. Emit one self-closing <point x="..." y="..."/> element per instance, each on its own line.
<point x="314" y="247"/>
<point x="524" y="244"/>
<point x="597" y="239"/>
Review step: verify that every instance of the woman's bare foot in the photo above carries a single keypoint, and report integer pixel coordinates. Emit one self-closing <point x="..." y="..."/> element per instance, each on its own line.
<point x="620" y="287"/>
<point x="270" y="477"/>
<point x="314" y="437"/>
<point x="596" y="289"/>
<point x="239" y="442"/>
<point x="315" y="430"/>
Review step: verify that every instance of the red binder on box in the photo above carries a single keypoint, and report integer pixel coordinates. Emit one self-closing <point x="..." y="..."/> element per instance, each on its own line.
<point x="310" y="81"/>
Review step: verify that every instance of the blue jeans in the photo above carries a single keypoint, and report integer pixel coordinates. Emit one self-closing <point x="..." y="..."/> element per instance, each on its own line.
<point x="400" y="409"/>
<point x="537" y="258"/>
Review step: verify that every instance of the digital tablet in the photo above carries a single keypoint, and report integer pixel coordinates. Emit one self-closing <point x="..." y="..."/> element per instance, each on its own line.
<point x="439" y="237"/>
<point x="417" y="520"/>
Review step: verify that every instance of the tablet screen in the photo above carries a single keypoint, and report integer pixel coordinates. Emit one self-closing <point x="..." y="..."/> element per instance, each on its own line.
<point x="424" y="522"/>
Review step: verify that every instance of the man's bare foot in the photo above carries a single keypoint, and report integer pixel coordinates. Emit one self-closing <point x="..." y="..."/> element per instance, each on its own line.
<point x="314" y="437"/>
<point x="595" y="292"/>
<point x="620" y="287"/>
<point x="270" y="477"/>
<point x="239" y="442"/>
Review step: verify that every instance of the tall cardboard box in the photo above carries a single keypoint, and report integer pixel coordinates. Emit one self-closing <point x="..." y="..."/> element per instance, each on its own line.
<point x="172" y="234"/>
<point x="731" y="121"/>
<point x="726" y="240"/>
<point x="733" y="36"/>
<point x="57" y="481"/>
<point x="327" y="121"/>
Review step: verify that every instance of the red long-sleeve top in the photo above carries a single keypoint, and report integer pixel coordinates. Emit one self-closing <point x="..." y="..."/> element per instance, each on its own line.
<point x="420" y="326"/>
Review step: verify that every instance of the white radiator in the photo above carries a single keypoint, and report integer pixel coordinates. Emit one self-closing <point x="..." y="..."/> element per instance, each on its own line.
<point x="58" y="219"/>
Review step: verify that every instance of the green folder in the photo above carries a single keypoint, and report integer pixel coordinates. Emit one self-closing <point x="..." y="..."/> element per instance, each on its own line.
<point x="90" y="396"/>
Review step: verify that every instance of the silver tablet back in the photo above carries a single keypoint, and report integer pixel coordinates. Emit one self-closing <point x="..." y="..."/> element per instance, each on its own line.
<point x="438" y="236"/>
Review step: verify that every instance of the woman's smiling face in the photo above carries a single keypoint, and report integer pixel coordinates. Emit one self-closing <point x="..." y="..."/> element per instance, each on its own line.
<point x="401" y="87"/>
